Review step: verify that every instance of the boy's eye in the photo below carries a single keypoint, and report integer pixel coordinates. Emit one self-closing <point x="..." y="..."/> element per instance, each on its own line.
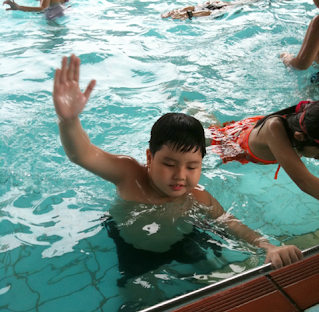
<point x="168" y="165"/>
<point x="191" y="168"/>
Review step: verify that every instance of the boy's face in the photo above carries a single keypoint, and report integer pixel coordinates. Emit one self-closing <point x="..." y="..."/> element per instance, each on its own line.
<point x="174" y="173"/>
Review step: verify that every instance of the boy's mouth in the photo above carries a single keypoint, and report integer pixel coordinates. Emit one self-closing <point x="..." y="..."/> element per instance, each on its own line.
<point x="176" y="187"/>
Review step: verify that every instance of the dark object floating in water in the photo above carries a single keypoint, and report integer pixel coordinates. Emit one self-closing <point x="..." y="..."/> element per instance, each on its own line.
<point x="314" y="78"/>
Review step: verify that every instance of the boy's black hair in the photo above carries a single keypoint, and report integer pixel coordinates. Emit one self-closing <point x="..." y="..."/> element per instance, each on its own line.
<point x="290" y="120"/>
<point x="181" y="131"/>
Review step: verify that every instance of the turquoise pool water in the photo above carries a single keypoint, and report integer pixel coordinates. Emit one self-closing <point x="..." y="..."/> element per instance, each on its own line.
<point x="55" y="255"/>
<point x="313" y="309"/>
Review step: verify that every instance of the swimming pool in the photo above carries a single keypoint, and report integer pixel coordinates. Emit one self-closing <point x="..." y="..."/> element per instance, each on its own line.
<point x="54" y="250"/>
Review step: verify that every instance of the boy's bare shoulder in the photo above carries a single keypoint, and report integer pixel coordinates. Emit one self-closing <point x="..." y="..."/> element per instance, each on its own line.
<point x="130" y="165"/>
<point x="205" y="198"/>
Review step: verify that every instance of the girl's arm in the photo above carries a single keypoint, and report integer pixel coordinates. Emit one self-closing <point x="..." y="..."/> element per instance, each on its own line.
<point x="14" y="6"/>
<point x="279" y="144"/>
<point x="177" y="11"/>
<point x="309" y="49"/>
<point x="184" y="15"/>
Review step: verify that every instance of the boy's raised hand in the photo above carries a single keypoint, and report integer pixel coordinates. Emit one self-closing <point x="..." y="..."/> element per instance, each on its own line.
<point x="68" y="99"/>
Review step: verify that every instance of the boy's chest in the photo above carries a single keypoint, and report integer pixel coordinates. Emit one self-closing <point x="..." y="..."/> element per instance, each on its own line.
<point x="138" y="190"/>
<point x="153" y="234"/>
<point x="151" y="227"/>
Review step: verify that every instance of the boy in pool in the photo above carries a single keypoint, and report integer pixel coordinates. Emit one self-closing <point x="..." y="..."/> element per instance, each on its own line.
<point x="51" y="8"/>
<point x="309" y="51"/>
<point x="172" y="172"/>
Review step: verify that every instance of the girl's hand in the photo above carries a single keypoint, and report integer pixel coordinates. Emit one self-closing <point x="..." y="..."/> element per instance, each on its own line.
<point x="68" y="99"/>
<point x="13" y="5"/>
<point x="167" y="14"/>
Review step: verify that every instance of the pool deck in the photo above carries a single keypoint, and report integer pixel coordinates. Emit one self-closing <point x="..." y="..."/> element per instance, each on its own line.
<point x="290" y="289"/>
<point x="293" y="288"/>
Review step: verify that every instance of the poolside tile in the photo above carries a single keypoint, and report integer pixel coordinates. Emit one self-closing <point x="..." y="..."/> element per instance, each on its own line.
<point x="300" y="281"/>
<point x="256" y="295"/>
<point x="306" y="292"/>
<point x="274" y="302"/>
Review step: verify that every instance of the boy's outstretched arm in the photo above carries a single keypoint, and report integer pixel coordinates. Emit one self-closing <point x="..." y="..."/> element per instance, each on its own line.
<point x="278" y="256"/>
<point x="69" y="102"/>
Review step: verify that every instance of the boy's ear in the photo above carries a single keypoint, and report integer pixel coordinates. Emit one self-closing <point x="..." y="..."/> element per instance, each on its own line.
<point x="299" y="136"/>
<point x="149" y="157"/>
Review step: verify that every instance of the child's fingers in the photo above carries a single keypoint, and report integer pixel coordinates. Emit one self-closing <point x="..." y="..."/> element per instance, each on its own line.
<point x="89" y="88"/>
<point x="57" y="80"/>
<point x="299" y="253"/>
<point x="77" y="70"/>
<point x="293" y="257"/>
<point x="167" y="14"/>
<point x="64" y="68"/>
<point x="70" y="72"/>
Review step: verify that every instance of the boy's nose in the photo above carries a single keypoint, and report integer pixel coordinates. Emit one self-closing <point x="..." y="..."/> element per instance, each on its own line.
<point x="180" y="174"/>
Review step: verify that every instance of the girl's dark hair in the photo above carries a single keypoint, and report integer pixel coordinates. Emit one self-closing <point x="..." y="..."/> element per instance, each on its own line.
<point x="181" y="131"/>
<point x="290" y="120"/>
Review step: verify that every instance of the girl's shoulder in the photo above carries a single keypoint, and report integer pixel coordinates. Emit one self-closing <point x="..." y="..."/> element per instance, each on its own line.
<point x="271" y="122"/>
<point x="276" y="121"/>
<point x="272" y="126"/>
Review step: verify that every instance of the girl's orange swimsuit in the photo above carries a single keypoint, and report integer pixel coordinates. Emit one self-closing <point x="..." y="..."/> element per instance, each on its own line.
<point x="230" y="142"/>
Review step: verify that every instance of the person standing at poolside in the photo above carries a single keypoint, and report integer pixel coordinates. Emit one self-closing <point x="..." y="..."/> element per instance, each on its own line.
<point x="309" y="51"/>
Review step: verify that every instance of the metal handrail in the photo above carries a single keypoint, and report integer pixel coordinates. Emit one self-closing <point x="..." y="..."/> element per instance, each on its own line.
<point x="216" y="287"/>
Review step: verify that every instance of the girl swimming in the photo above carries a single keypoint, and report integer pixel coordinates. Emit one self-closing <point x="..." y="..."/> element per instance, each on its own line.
<point x="201" y="9"/>
<point x="282" y="137"/>
<point x="212" y="7"/>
